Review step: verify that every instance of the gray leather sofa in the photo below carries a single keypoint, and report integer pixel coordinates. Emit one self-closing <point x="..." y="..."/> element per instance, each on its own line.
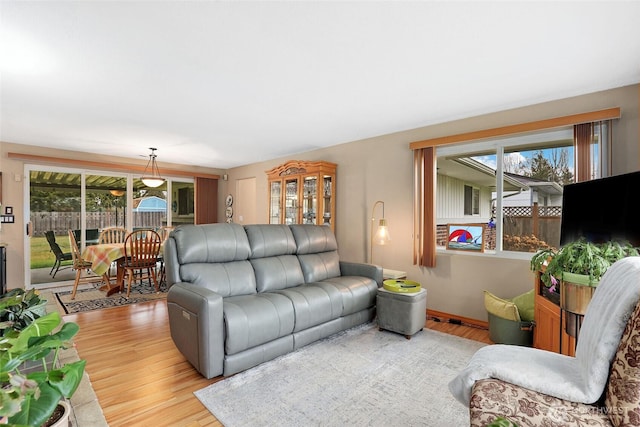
<point x="239" y="296"/>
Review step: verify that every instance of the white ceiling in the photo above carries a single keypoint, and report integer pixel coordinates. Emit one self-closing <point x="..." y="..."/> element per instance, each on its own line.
<point x="228" y="83"/>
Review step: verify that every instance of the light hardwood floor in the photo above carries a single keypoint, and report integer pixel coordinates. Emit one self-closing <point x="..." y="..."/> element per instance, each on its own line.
<point x="141" y="379"/>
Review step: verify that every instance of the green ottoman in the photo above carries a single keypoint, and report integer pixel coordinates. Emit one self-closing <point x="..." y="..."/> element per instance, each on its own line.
<point x="404" y="313"/>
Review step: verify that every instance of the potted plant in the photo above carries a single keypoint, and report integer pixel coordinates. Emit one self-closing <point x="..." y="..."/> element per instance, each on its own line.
<point x="578" y="266"/>
<point x="29" y="397"/>
<point x="18" y="308"/>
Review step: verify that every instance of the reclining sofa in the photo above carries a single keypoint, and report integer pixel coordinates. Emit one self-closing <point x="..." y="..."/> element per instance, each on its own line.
<point x="242" y="295"/>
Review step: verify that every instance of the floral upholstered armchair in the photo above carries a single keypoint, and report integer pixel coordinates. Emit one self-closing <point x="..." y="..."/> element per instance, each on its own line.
<point x="600" y="386"/>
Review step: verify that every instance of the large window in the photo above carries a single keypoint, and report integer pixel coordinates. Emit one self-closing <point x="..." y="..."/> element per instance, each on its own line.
<point x="511" y="184"/>
<point x="520" y="211"/>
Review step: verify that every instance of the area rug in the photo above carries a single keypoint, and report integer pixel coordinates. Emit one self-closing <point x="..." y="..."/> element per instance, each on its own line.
<point x="95" y="299"/>
<point x="360" y="377"/>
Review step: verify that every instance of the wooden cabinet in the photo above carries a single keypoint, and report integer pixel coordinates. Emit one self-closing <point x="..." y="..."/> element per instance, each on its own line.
<point x="549" y="332"/>
<point x="302" y="192"/>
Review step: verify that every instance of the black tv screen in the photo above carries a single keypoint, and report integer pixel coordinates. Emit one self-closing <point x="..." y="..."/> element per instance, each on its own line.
<point x="601" y="210"/>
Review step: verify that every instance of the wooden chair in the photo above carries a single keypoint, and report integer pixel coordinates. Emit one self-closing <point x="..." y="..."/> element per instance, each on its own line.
<point x="112" y="235"/>
<point x="141" y="250"/>
<point x="80" y="265"/>
<point x="164" y="232"/>
<point x="57" y="252"/>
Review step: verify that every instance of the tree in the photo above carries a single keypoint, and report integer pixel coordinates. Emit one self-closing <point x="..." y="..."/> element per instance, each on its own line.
<point x="552" y="167"/>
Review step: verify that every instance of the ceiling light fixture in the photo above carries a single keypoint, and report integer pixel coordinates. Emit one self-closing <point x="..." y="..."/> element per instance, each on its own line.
<point x="154" y="179"/>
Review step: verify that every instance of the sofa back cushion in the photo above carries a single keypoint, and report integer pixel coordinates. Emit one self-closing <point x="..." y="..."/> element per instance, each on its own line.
<point x="317" y="251"/>
<point x="623" y="389"/>
<point x="273" y="257"/>
<point x="211" y="243"/>
<point x="214" y="256"/>
<point x="267" y="240"/>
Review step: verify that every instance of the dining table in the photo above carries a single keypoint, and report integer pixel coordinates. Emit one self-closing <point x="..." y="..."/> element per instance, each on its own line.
<point x="101" y="256"/>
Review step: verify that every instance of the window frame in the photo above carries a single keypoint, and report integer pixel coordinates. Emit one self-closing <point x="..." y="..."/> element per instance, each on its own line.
<point x="425" y="170"/>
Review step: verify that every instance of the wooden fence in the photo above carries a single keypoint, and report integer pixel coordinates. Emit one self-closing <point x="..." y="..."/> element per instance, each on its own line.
<point x="539" y="222"/>
<point x="61" y="222"/>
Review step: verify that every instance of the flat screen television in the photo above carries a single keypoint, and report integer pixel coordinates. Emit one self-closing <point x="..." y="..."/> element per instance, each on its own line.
<point x="601" y="210"/>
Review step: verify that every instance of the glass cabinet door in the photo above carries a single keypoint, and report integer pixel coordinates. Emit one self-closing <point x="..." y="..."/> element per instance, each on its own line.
<point x="309" y="200"/>
<point x="291" y="201"/>
<point x="274" y="202"/>
<point x="327" y="184"/>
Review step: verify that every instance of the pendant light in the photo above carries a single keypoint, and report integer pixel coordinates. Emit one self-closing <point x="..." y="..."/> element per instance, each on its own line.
<point x="153" y="179"/>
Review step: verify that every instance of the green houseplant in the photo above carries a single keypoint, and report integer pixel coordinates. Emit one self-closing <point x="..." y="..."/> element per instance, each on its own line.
<point x="29" y="397"/>
<point x="578" y="267"/>
<point x="18" y="308"/>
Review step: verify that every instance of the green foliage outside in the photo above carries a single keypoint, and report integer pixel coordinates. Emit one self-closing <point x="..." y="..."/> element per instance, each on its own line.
<point x="41" y="255"/>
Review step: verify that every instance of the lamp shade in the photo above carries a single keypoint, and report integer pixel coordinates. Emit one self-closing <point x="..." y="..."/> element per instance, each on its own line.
<point x="152" y="182"/>
<point x="151" y="176"/>
<point x="382" y="236"/>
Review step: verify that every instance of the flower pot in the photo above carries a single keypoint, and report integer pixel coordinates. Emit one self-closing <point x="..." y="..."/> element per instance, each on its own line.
<point x="576" y="291"/>
<point x="62" y="420"/>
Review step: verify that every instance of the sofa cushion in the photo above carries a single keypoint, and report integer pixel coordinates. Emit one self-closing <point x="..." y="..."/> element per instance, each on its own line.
<point x="211" y="243"/>
<point x="321" y="266"/>
<point x="623" y="388"/>
<point x="277" y="272"/>
<point x="357" y="293"/>
<point x="311" y="239"/>
<point x="314" y="304"/>
<point x="268" y="240"/>
<point x="225" y="278"/>
<point x="252" y="320"/>
<point x="492" y="398"/>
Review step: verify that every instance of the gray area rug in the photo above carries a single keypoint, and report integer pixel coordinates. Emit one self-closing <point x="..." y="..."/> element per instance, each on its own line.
<point x="360" y="377"/>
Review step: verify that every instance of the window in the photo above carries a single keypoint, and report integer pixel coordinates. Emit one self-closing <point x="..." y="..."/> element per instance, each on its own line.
<point x="471" y="200"/>
<point x="526" y="164"/>
<point x="526" y="202"/>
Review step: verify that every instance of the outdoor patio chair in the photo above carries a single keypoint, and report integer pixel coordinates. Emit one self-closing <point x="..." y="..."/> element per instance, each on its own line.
<point x="58" y="253"/>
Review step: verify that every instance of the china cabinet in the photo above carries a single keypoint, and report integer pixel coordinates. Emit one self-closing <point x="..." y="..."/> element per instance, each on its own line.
<point x="302" y="192"/>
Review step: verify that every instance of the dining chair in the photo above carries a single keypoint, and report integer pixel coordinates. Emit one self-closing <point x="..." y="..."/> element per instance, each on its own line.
<point x="141" y="250"/>
<point x="57" y="252"/>
<point x="113" y="235"/>
<point x="80" y="265"/>
<point x="164" y="232"/>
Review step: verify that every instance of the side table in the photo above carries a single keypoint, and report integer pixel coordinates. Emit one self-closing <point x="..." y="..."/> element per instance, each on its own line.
<point x="404" y="313"/>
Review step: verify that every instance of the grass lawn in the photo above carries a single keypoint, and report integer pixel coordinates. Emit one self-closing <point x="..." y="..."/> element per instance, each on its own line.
<point x="41" y="255"/>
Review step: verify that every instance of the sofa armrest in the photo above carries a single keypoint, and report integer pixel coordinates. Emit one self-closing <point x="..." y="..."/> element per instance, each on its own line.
<point x="360" y="269"/>
<point x="197" y="326"/>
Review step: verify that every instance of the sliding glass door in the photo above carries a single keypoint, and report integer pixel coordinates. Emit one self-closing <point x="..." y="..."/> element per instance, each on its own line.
<point x="86" y="202"/>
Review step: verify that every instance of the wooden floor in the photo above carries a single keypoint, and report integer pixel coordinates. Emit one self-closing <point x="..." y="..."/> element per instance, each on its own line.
<point x="139" y="376"/>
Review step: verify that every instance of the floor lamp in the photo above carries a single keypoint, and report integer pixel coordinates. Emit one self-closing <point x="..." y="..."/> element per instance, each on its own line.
<point x="382" y="234"/>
